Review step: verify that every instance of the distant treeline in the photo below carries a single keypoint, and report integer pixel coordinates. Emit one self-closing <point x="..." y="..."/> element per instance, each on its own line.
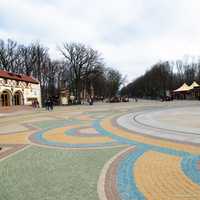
<point x="162" y="77"/>
<point x="81" y="68"/>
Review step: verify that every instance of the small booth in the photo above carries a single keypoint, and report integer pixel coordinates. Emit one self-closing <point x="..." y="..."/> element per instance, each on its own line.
<point x="187" y="92"/>
<point x="182" y="92"/>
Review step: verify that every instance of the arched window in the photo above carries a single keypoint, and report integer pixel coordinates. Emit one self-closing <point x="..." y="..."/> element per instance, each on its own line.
<point x="18" y="98"/>
<point x="6" y="98"/>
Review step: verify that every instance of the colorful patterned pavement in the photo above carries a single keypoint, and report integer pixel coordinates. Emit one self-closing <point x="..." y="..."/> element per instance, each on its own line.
<point x="141" y="166"/>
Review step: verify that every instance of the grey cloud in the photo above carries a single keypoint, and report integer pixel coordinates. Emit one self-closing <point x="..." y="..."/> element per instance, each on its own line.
<point x="131" y="34"/>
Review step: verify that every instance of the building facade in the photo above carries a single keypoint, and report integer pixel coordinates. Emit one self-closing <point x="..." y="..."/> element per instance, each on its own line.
<point x="16" y="89"/>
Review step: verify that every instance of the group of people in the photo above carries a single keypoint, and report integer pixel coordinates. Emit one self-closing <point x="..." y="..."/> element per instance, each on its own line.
<point x="49" y="104"/>
<point x="35" y="104"/>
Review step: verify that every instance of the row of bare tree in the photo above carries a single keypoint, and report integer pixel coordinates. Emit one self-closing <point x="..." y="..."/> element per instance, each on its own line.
<point x="162" y="77"/>
<point x="80" y="69"/>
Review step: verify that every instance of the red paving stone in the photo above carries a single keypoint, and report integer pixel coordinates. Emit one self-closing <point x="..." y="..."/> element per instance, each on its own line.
<point x="11" y="109"/>
<point x="110" y="181"/>
<point x="10" y="149"/>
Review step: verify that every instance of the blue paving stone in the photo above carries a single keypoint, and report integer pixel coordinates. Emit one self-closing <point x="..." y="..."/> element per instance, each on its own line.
<point x="125" y="181"/>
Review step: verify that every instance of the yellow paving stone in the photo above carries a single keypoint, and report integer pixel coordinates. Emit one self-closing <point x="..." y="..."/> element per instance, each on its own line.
<point x="18" y="138"/>
<point x="58" y="135"/>
<point x="107" y="124"/>
<point x="160" y="177"/>
<point x="83" y="118"/>
<point x="14" y="127"/>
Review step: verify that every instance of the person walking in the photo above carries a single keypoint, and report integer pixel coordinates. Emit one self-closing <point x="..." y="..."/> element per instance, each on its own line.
<point x="51" y="104"/>
<point x="37" y="104"/>
<point x="136" y="100"/>
<point x="48" y="104"/>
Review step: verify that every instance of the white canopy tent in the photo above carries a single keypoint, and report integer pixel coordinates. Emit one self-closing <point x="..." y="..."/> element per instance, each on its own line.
<point x="193" y="85"/>
<point x="183" y="88"/>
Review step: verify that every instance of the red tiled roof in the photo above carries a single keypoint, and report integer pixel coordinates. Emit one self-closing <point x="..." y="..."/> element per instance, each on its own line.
<point x="18" y="77"/>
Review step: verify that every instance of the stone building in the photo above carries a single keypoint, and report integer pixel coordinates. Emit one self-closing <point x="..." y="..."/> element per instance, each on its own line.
<point x="16" y="89"/>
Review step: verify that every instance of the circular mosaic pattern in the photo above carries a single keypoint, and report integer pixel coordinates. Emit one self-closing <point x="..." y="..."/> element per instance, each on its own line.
<point x="71" y="137"/>
<point x="75" y="133"/>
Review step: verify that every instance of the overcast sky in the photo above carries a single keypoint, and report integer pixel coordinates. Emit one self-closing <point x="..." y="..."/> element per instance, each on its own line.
<point x="132" y="35"/>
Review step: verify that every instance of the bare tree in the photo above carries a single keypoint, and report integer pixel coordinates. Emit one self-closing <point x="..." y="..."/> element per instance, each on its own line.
<point x="82" y="62"/>
<point x="8" y="54"/>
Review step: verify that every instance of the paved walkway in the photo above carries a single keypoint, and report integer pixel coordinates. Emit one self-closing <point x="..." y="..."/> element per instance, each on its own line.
<point x="177" y="124"/>
<point x="160" y="156"/>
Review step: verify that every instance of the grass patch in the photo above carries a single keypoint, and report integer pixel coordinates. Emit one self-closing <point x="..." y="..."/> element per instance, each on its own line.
<point x="51" y="174"/>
